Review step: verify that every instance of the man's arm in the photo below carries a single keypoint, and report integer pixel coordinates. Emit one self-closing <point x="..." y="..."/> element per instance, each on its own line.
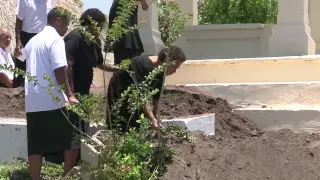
<point x="70" y="73"/>
<point x="155" y="108"/>
<point x="108" y="67"/>
<point x="101" y="65"/>
<point x="4" y="79"/>
<point x="147" y="110"/>
<point x="59" y="65"/>
<point x="62" y="79"/>
<point x="157" y="85"/>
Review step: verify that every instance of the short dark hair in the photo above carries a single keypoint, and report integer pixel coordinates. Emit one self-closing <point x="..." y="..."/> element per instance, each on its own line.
<point x="92" y="14"/>
<point x="56" y="12"/>
<point x="174" y="52"/>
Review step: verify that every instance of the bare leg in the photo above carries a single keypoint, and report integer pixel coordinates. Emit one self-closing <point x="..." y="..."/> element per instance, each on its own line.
<point x="70" y="160"/>
<point x="35" y="163"/>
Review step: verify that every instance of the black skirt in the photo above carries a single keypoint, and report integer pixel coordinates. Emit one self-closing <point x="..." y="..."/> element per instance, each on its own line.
<point x="128" y="120"/>
<point x="50" y="132"/>
<point x="130" y="44"/>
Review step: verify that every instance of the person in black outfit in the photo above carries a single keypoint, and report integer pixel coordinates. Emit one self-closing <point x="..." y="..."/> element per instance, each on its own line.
<point x="141" y="66"/>
<point x="130" y="44"/>
<point x="82" y="57"/>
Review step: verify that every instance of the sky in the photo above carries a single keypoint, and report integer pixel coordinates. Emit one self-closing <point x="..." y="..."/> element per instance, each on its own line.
<point x="103" y="5"/>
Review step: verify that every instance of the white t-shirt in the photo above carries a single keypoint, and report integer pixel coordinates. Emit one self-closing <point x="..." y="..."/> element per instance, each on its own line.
<point x="33" y="13"/>
<point x="5" y="58"/>
<point x="45" y="52"/>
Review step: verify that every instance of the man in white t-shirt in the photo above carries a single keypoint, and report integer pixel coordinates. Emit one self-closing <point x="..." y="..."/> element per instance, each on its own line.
<point x="6" y="76"/>
<point x="48" y="128"/>
<point x="31" y="18"/>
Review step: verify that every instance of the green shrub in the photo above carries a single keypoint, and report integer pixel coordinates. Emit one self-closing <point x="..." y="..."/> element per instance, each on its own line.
<point x="238" y="11"/>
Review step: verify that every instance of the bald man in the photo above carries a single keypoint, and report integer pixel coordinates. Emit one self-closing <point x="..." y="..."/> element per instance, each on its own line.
<point x="6" y="77"/>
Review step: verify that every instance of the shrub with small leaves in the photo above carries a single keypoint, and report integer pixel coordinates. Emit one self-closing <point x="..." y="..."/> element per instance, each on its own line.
<point x="137" y="154"/>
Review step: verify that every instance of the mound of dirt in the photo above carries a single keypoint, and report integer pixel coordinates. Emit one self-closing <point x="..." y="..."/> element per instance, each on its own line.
<point x="179" y="103"/>
<point x="175" y="103"/>
<point x="12" y="103"/>
<point x="238" y="151"/>
<point x="275" y="155"/>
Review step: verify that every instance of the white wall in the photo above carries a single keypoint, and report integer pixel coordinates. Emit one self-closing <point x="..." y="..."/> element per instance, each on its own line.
<point x="225" y="41"/>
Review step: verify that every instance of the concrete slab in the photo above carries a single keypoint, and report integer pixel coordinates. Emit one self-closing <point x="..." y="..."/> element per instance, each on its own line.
<point x="13" y="135"/>
<point x="295" y="95"/>
<point x="299" y="120"/>
<point x="13" y="139"/>
<point x="205" y="123"/>
<point x="274" y="105"/>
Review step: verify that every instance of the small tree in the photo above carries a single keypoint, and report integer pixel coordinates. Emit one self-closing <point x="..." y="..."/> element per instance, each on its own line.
<point x="136" y="154"/>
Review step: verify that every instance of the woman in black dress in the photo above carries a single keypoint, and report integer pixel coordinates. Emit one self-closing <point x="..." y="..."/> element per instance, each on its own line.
<point x="130" y="45"/>
<point x="141" y="66"/>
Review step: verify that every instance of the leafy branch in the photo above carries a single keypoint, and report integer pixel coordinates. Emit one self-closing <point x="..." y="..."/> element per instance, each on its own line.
<point x="136" y="154"/>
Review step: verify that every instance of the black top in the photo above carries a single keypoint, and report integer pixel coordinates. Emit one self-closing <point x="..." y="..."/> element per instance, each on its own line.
<point x="131" y="40"/>
<point x="141" y="66"/>
<point x="85" y="57"/>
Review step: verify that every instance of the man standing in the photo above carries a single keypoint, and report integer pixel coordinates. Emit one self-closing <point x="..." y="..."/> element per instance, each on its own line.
<point x="84" y="55"/>
<point x="31" y="18"/>
<point x="141" y="66"/>
<point x="48" y="129"/>
<point x="6" y="77"/>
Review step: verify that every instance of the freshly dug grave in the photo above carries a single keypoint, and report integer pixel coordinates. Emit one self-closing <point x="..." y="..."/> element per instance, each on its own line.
<point x="238" y="151"/>
<point x="174" y="103"/>
<point x="178" y="103"/>
<point x="275" y="155"/>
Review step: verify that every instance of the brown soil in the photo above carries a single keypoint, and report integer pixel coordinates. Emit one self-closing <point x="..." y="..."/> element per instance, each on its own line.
<point x="238" y="151"/>
<point x="12" y="102"/>
<point x="177" y="103"/>
<point x="276" y="155"/>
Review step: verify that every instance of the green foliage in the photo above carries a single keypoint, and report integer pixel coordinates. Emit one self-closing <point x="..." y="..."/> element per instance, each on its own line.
<point x="119" y="26"/>
<point x="90" y="108"/>
<point x="138" y="154"/>
<point x="171" y="21"/>
<point x="238" y="11"/>
<point x="135" y="156"/>
<point x="179" y="132"/>
<point x="49" y="171"/>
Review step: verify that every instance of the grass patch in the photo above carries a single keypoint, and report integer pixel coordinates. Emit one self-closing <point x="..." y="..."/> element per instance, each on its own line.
<point x="21" y="171"/>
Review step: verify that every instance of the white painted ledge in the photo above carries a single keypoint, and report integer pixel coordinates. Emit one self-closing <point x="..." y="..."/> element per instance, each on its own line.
<point x="204" y="123"/>
<point x="298" y="120"/>
<point x="299" y="95"/>
<point x="13" y="139"/>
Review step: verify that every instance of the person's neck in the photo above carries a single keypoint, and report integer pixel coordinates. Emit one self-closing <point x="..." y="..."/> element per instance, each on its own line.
<point x="154" y="60"/>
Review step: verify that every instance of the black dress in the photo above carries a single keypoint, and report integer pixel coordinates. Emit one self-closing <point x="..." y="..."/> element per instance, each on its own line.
<point x="120" y="81"/>
<point x="130" y="45"/>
